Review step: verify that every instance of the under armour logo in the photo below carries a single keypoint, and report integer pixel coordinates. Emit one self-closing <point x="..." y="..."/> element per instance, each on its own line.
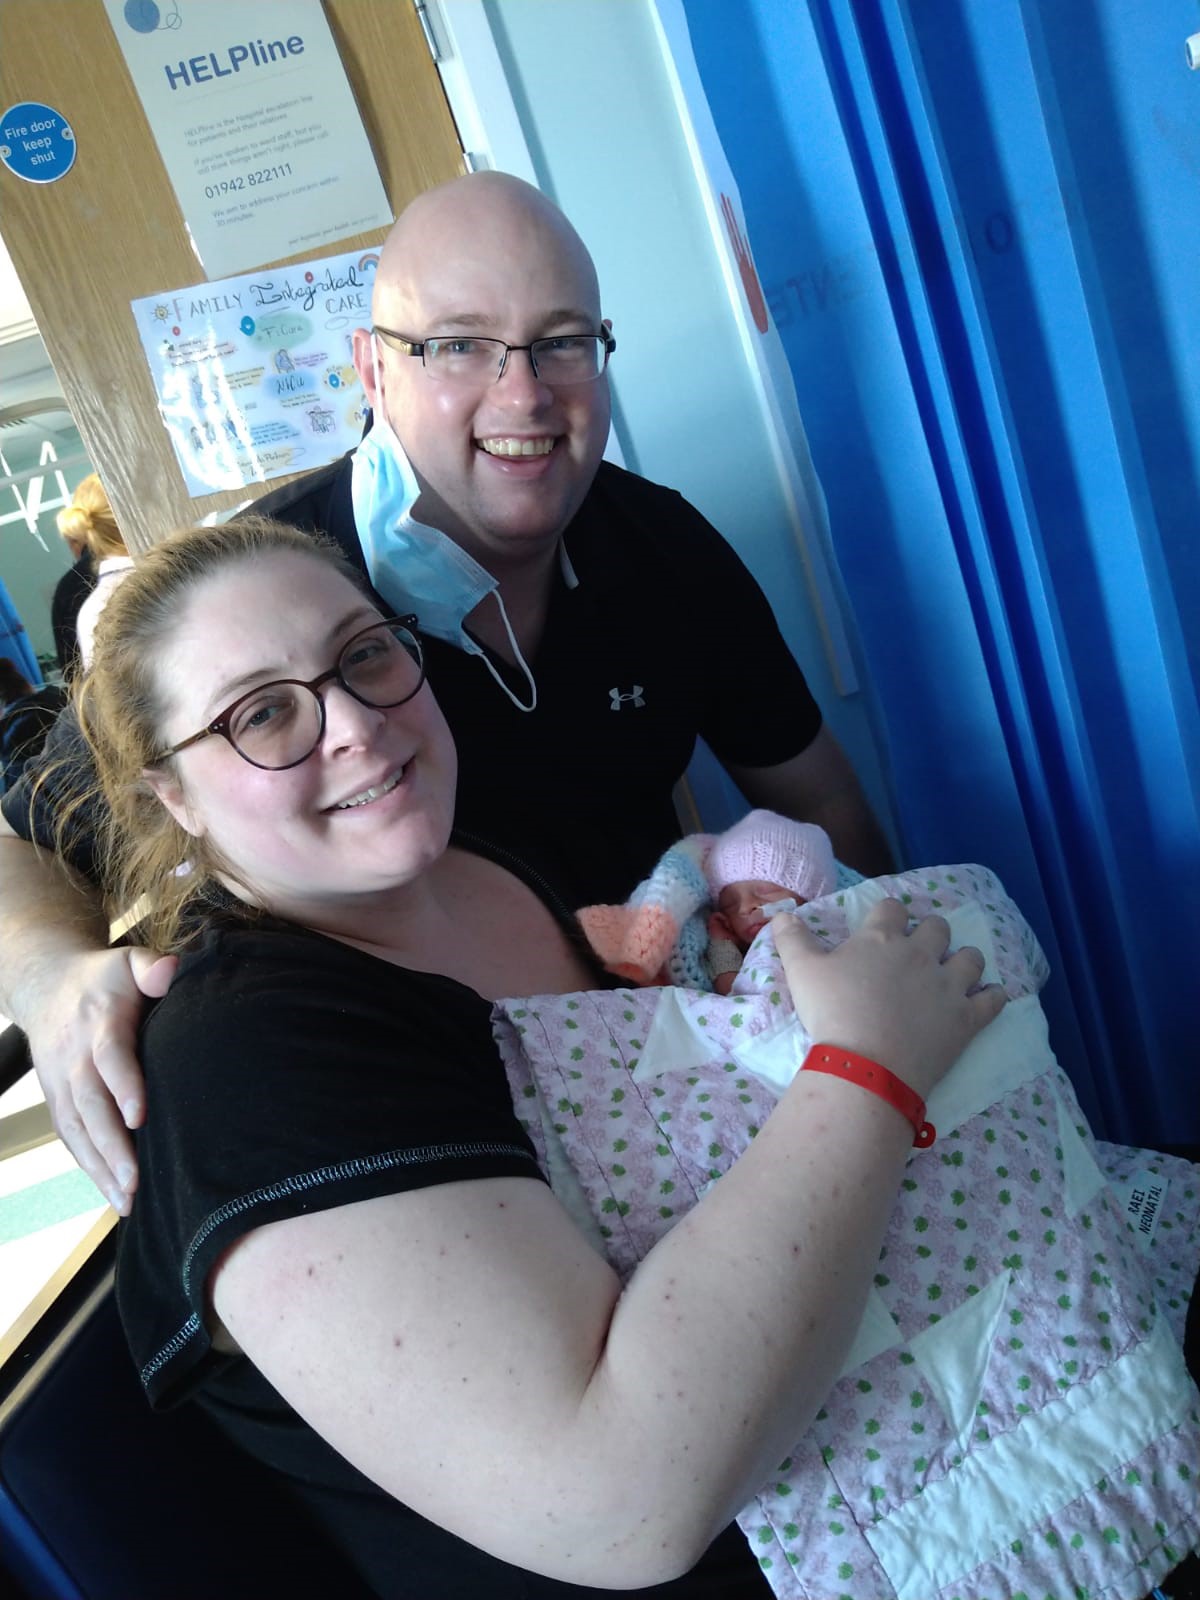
<point x="633" y="698"/>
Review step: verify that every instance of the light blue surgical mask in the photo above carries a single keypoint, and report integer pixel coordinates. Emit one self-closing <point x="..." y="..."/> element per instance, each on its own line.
<point x="417" y="568"/>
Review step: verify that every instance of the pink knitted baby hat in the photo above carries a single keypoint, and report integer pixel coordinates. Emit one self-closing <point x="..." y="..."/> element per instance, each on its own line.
<point x="767" y="848"/>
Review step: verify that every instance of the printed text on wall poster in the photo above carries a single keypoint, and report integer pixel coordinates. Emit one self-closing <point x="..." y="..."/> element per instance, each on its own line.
<point x="256" y="124"/>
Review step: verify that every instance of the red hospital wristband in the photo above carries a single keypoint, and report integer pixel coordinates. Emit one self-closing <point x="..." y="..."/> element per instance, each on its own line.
<point x="875" y="1079"/>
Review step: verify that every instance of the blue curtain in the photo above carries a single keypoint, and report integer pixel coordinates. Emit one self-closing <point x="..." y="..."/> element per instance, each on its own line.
<point x="977" y="224"/>
<point x="14" y="641"/>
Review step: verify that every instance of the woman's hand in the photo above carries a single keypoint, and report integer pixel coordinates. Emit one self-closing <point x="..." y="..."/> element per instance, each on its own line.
<point x="894" y="996"/>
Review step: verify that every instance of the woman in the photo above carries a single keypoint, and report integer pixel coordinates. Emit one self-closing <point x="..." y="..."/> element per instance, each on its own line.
<point x="341" y="1242"/>
<point x="89" y="521"/>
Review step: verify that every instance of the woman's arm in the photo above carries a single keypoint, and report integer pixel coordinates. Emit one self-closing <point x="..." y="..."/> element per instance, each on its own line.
<point x="468" y="1351"/>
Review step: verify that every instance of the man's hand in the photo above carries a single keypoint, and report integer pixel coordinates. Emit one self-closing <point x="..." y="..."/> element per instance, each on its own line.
<point x="83" y="1048"/>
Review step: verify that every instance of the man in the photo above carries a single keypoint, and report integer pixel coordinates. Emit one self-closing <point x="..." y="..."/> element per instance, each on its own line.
<point x="593" y="597"/>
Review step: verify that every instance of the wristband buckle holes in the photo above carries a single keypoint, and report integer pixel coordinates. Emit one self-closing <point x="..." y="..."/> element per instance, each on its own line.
<point x="875" y="1079"/>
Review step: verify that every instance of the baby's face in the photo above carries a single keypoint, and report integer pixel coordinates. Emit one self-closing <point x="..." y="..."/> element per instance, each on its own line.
<point x="742" y="903"/>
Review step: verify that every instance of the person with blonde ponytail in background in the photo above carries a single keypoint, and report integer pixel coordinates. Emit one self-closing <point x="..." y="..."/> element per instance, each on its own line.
<point x="89" y="520"/>
<point x="71" y="590"/>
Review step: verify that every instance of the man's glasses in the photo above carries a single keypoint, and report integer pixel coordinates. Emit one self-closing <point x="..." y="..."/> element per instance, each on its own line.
<point x="462" y="358"/>
<point x="280" y="724"/>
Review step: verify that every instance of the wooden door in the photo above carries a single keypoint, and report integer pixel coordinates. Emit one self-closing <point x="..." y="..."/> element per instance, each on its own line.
<point x="111" y="230"/>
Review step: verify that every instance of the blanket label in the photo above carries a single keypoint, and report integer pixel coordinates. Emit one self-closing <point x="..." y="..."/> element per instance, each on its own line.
<point x="1142" y="1198"/>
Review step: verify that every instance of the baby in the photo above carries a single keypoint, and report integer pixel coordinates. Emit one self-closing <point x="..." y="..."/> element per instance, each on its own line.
<point x="763" y="864"/>
<point x="693" y="919"/>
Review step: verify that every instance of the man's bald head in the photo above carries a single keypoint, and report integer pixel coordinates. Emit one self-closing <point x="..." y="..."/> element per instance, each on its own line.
<point x="503" y="463"/>
<point x="492" y="216"/>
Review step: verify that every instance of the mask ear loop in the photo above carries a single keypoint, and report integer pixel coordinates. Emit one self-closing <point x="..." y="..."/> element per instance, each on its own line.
<point x="529" y="678"/>
<point x="378" y="406"/>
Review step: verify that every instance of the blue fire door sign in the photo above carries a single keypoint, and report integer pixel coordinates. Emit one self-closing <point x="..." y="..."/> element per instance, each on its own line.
<point x="36" y="142"/>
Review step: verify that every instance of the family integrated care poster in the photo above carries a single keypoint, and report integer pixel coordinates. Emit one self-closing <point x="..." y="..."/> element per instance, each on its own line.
<point x="254" y="374"/>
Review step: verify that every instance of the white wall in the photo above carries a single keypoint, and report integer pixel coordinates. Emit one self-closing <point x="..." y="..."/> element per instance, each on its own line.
<point x="16" y="319"/>
<point x="592" y="95"/>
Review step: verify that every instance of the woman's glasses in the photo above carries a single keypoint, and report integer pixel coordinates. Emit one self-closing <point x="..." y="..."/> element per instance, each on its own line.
<point x="280" y="724"/>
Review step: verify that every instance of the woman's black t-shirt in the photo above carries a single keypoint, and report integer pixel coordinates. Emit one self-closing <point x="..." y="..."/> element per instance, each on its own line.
<point x="286" y="1073"/>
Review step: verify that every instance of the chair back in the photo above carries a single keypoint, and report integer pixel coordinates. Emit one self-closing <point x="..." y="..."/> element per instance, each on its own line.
<point x="102" y="1499"/>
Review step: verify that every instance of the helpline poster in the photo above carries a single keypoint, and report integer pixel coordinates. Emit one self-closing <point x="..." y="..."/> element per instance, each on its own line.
<point x="256" y="125"/>
<point x="255" y="374"/>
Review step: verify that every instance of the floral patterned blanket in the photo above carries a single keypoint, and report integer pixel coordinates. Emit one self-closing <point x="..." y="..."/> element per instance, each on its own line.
<point x="1014" y="1418"/>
